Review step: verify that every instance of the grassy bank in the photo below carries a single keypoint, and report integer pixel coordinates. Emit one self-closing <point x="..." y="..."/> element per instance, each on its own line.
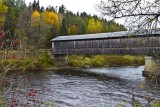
<point x="14" y="60"/>
<point x="105" y="60"/>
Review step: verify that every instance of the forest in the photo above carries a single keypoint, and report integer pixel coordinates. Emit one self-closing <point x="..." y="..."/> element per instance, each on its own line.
<point x="33" y="26"/>
<point x="26" y="31"/>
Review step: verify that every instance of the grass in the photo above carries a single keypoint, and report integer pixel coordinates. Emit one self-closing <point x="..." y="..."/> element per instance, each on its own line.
<point x="24" y="60"/>
<point x="105" y="60"/>
<point x="34" y="61"/>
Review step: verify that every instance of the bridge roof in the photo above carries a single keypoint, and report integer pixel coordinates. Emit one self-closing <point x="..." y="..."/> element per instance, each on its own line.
<point x="98" y="36"/>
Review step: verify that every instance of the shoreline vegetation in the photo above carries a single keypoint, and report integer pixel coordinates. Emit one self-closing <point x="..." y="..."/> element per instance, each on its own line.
<point x="33" y="26"/>
<point x="31" y="61"/>
<point x="105" y="60"/>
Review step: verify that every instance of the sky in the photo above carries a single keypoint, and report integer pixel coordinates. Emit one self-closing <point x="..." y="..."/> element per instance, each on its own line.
<point x="88" y="6"/>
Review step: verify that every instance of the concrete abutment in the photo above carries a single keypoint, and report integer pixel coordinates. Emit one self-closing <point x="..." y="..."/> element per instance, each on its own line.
<point x="152" y="66"/>
<point x="61" y="60"/>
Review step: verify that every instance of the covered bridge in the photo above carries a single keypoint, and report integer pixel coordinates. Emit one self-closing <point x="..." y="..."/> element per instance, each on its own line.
<point x="108" y="43"/>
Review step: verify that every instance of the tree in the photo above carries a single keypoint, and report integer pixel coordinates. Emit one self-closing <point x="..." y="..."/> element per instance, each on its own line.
<point x="42" y="9"/>
<point x="62" y="9"/>
<point x="139" y="14"/>
<point x="105" y="26"/>
<point x="35" y="19"/>
<point x="14" y="8"/>
<point x="63" y="29"/>
<point x="49" y="27"/>
<point x="36" y="5"/>
<point x="91" y="28"/>
<point x="82" y="27"/>
<point x="10" y="16"/>
<point x="51" y="9"/>
<point x="98" y="26"/>
<point x="94" y="26"/>
<point x="77" y="14"/>
<point x="51" y="18"/>
<point x="23" y="28"/>
<point x="20" y="4"/>
<point x="73" y="30"/>
<point x="3" y="10"/>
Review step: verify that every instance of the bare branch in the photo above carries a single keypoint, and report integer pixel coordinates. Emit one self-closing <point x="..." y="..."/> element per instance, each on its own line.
<point x="139" y="14"/>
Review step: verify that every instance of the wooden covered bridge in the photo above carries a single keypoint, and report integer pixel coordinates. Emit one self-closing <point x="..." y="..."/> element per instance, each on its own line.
<point x="108" y="43"/>
<point x="120" y="43"/>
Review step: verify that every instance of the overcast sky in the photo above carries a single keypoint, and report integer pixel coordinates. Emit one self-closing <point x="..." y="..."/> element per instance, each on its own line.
<point x="88" y="6"/>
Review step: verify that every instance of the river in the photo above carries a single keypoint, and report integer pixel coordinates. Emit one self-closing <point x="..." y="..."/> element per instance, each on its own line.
<point x="95" y="87"/>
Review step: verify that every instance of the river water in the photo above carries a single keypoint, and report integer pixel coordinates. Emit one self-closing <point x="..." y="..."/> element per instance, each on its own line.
<point x="96" y="87"/>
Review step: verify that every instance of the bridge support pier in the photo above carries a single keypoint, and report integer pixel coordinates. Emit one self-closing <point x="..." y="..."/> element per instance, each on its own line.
<point x="61" y="60"/>
<point x="152" y="66"/>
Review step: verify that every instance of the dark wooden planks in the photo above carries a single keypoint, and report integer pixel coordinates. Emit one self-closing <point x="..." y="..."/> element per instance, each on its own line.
<point x="129" y="45"/>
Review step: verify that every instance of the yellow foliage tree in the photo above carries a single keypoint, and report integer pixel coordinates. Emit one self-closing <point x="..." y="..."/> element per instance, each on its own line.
<point x="51" y="18"/>
<point x="35" y="19"/>
<point x="73" y="30"/>
<point x="91" y="28"/>
<point x="3" y="10"/>
<point x="94" y="26"/>
<point x="98" y="26"/>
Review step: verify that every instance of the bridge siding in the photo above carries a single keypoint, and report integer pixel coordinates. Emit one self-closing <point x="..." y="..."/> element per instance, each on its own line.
<point x="142" y="45"/>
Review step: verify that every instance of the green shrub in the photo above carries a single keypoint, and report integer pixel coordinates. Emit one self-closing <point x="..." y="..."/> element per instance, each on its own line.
<point x="139" y="60"/>
<point x="76" y="60"/>
<point x="44" y="59"/>
<point x="98" y="61"/>
<point x="128" y="59"/>
<point x="26" y="60"/>
<point x="105" y="60"/>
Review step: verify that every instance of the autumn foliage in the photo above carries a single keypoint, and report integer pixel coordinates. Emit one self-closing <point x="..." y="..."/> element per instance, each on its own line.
<point x="3" y="10"/>
<point x="50" y="17"/>
<point x="34" y="26"/>
<point x="94" y="26"/>
<point x="73" y="30"/>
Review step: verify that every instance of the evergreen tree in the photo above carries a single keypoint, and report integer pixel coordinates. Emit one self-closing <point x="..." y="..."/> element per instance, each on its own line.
<point x="77" y="14"/>
<point x="63" y="29"/>
<point x="11" y="16"/>
<point x="42" y="9"/>
<point x="36" y="5"/>
<point x="48" y="24"/>
<point x="62" y="9"/>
